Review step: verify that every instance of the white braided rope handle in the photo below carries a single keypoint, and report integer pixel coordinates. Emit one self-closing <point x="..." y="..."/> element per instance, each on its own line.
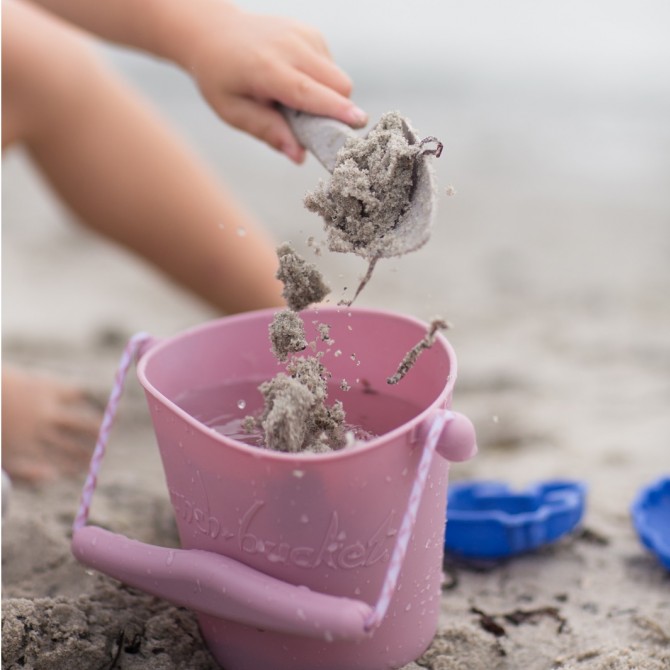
<point x="132" y="350"/>
<point x="407" y="526"/>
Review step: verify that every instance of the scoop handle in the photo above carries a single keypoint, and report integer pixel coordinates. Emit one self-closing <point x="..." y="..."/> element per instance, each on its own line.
<point x="320" y="135"/>
<point x="220" y="586"/>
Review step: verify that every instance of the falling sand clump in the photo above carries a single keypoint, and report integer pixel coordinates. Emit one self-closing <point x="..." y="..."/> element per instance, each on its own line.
<point x="303" y="283"/>
<point x="295" y="414"/>
<point x="324" y="332"/>
<point x="287" y="334"/>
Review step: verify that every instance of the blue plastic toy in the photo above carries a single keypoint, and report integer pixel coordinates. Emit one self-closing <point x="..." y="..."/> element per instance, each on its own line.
<point x="487" y="520"/>
<point x="651" y="518"/>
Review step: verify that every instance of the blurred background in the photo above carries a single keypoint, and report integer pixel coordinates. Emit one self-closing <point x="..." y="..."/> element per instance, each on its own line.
<point x="551" y="259"/>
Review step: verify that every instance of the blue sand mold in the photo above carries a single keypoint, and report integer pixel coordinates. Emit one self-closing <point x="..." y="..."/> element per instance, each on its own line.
<point x="488" y="520"/>
<point x="651" y="518"/>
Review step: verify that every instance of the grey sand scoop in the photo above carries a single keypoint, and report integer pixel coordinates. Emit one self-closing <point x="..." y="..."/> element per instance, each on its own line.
<point x="380" y="200"/>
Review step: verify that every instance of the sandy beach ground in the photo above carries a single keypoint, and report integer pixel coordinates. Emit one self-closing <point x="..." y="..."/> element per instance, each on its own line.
<point x="551" y="260"/>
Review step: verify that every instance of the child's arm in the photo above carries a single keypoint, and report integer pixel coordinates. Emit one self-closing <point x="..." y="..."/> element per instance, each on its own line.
<point x="120" y="168"/>
<point x="243" y="63"/>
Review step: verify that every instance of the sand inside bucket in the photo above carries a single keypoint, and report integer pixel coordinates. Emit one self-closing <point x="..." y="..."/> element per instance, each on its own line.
<point x="296" y="415"/>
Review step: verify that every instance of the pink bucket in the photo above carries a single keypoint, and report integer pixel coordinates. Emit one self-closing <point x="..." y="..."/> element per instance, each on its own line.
<point x="298" y="561"/>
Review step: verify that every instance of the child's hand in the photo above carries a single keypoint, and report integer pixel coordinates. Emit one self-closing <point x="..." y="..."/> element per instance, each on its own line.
<point x="245" y="63"/>
<point x="49" y="426"/>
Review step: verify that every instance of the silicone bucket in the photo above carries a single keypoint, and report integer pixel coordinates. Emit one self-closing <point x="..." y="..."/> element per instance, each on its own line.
<point x="299" y="561"/>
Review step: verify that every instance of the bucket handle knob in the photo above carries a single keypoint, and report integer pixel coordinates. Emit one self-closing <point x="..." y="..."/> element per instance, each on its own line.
<point x="223" y="587"/>
<point x="457" y="441"/>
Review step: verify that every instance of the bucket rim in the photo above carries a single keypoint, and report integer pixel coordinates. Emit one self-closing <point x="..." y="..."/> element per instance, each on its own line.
<point x="408" y="427"/>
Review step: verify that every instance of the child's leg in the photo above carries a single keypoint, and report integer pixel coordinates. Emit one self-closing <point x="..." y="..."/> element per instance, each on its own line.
<point x="48" y="425"/>
<point x="126" y="176"/>
<point x="118" y="166"/>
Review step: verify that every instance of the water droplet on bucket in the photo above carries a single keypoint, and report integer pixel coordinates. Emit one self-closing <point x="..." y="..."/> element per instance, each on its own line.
<point x="241" y="404"/>
<point x="304" y="519"/>
<point x="170" y="558"/>
<point x="298" y="473"/>
<point x="241" y="232"/>
<point x="301" y="615"/>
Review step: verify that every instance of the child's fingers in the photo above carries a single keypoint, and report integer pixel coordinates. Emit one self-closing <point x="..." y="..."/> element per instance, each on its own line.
<point x="70" y="448"/>
<point x="263" y="122"/>
<point x="310" y="35"/>
<point x="74" y="413"/>
<point x="84" y="425"/>
<point x="325" y="71"/>
<point x="300" y="91"/>
<point x="33" y="472"/>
